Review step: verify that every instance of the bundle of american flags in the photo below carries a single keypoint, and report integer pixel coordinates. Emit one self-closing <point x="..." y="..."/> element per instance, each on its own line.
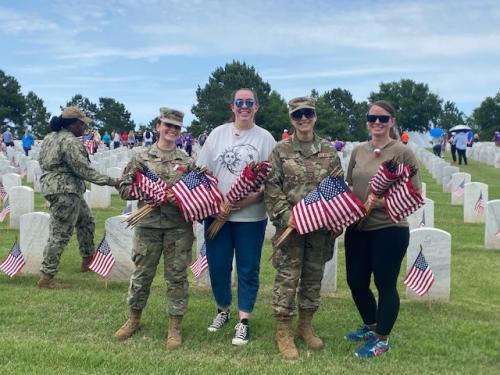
<point x="103" y="260"/>
<point x="420" y="277"/>
<point x="3" y="192"/>
<point x="251" y="179"/>
<point x="196" y="194"/>
<point x="14" y="261"/>
<point x="393" y="182"/>
<point x="88" y="143"/>
<point x="331" y="206"/>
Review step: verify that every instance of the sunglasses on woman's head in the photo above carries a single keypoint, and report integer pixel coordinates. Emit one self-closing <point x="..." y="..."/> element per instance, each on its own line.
<point x="382" y="118"/>
<point x="308" y="112"/>
<point x="239" y="102"/>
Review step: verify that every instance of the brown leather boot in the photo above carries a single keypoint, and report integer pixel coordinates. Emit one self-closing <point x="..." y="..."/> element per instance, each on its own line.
<point x="85" y="264"/>
<point x="306" y="332"/>
<point x="174" y="334"/>
<point x="48" y="282"/>
<point x="130" y="326"/>
<point x="284" y="338"/>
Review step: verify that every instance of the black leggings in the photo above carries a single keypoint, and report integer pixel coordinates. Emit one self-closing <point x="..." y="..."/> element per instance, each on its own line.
<point x="462" y="155"/>
<point x="379" y="252"/>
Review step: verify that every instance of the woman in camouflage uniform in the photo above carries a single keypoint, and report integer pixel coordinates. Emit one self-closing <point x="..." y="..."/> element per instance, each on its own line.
<point x="66" y="165"/>
<point x="300" y="163"/>
<point x="163" y="231"/>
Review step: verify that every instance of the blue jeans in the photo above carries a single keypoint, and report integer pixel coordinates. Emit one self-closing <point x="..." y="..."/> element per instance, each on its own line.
<point x="243" y="239"/>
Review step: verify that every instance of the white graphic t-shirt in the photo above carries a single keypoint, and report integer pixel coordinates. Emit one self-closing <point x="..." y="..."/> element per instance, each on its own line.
<point x="227" y="151"/>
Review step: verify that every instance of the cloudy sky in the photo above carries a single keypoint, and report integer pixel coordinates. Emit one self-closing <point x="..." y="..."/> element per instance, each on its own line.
<point x="147" y="53"/>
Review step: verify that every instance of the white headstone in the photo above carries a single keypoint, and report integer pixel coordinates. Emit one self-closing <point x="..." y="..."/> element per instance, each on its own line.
<point x="458" y="181"/>
<point x="34" y="234"/>
<point x="100" y="196"/>
<point x="475" y="198"/>
<point x="447" y="173"/>
<point x="120" y="240"/>
<point x="329" y="282"/>
<point x="86" y="197"/>
<point x="436" y="248"/>
<point x="497" y="158"/>
<point x="22" y="201"/>
<point x="114" y="172"/>
<point x="10" y="180"/>
<point x="204" y="279"/>
<point x="423" y="217"/>
<point x="424" y="189"/>
<point x="492" y="225"/>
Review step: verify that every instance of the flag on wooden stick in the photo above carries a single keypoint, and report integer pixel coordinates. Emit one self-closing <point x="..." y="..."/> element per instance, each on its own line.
<point x="420" y="278"/>
<point x="14" y="261"/>
<point x="103" y="261"/>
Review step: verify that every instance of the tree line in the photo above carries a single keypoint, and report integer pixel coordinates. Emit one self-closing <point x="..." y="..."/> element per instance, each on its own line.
<point x="339" y="115"/>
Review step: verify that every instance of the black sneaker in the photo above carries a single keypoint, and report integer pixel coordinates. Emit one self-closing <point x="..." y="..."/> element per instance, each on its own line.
<point x="221" y="319"/>
<point x="241" y="334"/>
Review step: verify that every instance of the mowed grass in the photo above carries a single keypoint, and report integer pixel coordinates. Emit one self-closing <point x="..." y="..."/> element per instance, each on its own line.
<point x="71" y="331"/>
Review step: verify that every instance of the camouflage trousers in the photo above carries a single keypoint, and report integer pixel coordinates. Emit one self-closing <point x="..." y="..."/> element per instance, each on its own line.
<point x="149" y="245"/>
<point x="67" y="211"/>
<point x="299" y="263"/>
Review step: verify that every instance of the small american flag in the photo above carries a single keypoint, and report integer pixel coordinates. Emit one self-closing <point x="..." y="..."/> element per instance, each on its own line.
<point x="147" y="185"/>
<point x="459" y="191"/>
<point x="479" y="205"/>
<point x="89" y="146"/>
<point x="422" y="222"/>
<point x="420" y="278"/>
<point x="201" y="263"/>
<point x="14" y="262"/>
<point x="5" y="211"/>
<point x="103" y="260"/>
<point x="197" y="195"/>
<point x="498" y="233"/>
<point x="127" y="210"/>
<point x="309" y="214"/>
<point x="3" y="193"/>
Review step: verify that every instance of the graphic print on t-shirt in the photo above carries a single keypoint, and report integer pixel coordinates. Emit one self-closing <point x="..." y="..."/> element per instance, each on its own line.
<point x="238" y="157"/>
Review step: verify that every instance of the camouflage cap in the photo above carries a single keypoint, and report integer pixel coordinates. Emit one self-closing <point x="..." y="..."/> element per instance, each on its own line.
<point x="171" y="116"/>
<point x="301" y="102"/>
<point x="76" y="113"/>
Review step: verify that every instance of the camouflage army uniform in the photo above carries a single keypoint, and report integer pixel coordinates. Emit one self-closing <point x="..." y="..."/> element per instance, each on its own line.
<point x="163" y="231"/>
<point x="66" y="165"/>
<point x="300" y="260"/>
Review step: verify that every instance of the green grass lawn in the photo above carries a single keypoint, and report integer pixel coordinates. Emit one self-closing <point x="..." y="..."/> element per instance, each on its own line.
<point x="71" y="331"/>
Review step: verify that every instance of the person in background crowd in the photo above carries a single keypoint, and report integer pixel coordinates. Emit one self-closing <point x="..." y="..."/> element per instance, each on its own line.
<point x="147" y="138"/>
<point x="65" y="168"/>
<point x="8" y="138"/>
<point x="284" y="135"/>
<point x="376" y="245"/>
<point x="436" y="145"/>
<point x="299" y="164"/>
<point x="476" y="138"/>
<point x="163" y="231"/>
<point x="28" y="141"/>
<point x="131" y="139"/>
<point x="228" y="150"/>
<point x="453" y="147"/>
<point x="124" y="139"/>
<point x="339" y="145"/>
<point x="496" y="138"/>
<point x="179" y="141"/>
<point x="405" y="137"/>
<point x="461" y="142"/>
<point x="106" y="139"/>
<point x="202" y="138"/>
<point x="116" y="140"/>
<point x="189" y="143"/>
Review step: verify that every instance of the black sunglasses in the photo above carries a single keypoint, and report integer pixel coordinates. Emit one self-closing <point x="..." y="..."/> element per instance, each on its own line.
<point x="382" y="118"/>
<point x="308" y="112"/>
<point x="239" y="102"/>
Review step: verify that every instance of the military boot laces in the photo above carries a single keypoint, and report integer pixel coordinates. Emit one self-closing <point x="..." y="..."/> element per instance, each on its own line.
<point x="306" y="332"/>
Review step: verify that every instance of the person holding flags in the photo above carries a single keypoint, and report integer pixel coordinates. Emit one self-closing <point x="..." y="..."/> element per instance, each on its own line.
<point x="65" y="168"/>
<point x="299" y="164"/>
<point x="162" y="231"/>
<point x="376" y="245"/>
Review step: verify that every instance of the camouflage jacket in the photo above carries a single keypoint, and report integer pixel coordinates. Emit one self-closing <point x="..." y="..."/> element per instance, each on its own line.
<point x="66" y="165"/>
<point x="171" y="166"/>
<point x="296" y="171"/>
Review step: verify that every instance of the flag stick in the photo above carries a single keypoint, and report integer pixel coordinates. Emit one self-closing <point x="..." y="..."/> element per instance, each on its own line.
<point x="429" y="300"/>
<point x="105" y="283"/>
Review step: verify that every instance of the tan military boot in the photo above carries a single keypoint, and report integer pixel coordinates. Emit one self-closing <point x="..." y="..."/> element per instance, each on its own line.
<point x="306" y="332"/>
<point x="48" y="282"/>
<point x="85" y="264"/>
<point x="174" y="334"/>
<point x="284" y="338"/>
<point x="130" y="326"/>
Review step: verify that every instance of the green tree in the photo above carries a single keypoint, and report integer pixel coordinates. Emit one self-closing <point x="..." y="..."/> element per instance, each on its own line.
<point x="113" y="115"/>
<point x="274" y="116"/>
<point x="12" y="101"/>
<point x="486" y="117"/>
<point x="89" y="108"/>
<point x="415" y="105"/>
<point x="450" y="116"/>
<point x="213" y="100"/>
<point x="36" y="115"/>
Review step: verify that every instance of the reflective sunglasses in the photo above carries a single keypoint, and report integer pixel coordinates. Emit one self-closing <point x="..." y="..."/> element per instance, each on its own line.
<point x="382" y="118"/>
<point x="308" y="112"/>
<point x="239" y="103"/>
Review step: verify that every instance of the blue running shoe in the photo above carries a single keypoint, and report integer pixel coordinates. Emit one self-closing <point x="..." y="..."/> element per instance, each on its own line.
<point x="362" y="334"/>
<point x="373" y="348"/>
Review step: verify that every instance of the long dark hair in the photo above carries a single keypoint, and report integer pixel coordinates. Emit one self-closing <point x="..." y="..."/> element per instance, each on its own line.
<point x="233" y="97"/>
<point x="386" y="105"/>
<point x="57" y="123"/>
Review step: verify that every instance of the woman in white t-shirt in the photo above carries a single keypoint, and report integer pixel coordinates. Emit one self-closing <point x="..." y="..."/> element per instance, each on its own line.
<point x="227" y="150"/>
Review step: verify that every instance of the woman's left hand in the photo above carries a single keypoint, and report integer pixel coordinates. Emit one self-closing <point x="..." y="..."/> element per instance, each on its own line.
<point x="252" y="198"/>
<point x="375" y="202"/>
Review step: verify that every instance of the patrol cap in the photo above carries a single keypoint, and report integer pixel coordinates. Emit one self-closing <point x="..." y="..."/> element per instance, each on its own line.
<point x="171" y="116"/>
<point x="76" y="113"/>
<point x="301" y="102"/>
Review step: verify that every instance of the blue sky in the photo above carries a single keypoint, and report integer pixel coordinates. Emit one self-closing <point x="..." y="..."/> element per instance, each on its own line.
<point x="147" y="54"/>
